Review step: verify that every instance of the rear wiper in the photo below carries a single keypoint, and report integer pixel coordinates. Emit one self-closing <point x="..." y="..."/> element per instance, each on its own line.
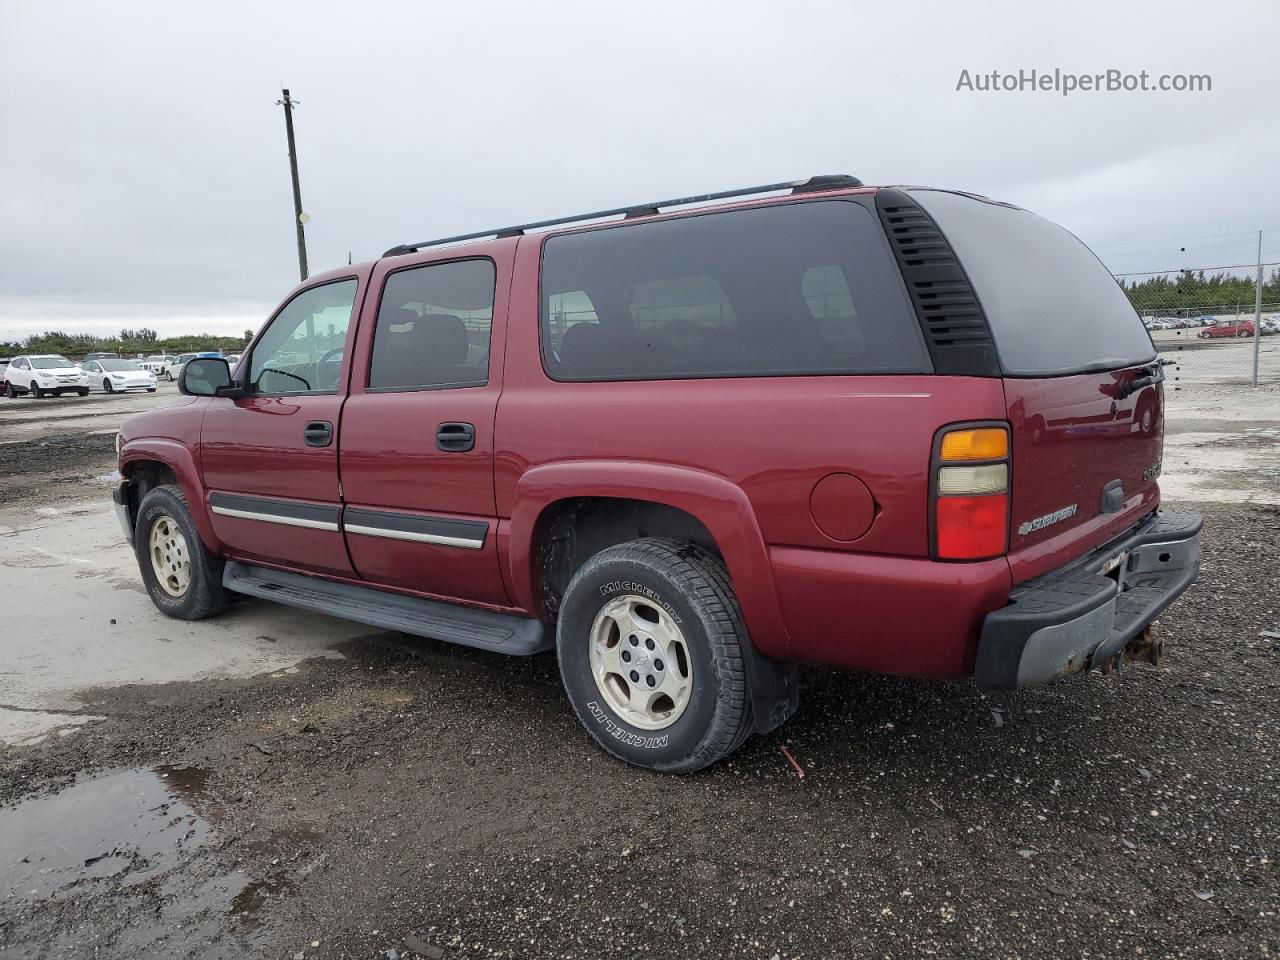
<point x="1154" y="375"/>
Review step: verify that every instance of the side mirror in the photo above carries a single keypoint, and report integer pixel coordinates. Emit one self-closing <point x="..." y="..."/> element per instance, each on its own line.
<point x="206" y="377"/>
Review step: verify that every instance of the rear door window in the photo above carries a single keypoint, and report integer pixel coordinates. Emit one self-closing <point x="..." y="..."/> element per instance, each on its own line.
<point x="785" y="290"/>
<point x="434" y="324"/>
<point x="1052" y="306"/>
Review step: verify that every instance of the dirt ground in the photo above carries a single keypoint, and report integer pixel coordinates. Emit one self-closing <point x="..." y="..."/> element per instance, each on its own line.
<point x="269" y="784"/>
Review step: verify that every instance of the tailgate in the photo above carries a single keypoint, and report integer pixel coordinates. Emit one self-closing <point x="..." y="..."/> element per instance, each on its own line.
<point x="1086" y="457"/>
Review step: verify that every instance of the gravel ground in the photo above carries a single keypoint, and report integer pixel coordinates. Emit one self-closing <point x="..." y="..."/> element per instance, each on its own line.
<point x="420" y="795"/>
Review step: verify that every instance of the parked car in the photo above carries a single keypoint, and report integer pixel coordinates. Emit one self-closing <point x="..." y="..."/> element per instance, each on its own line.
<point x="173" y="369"/>
<point x="155" y="363"/>
<point x="4" y="365"/>
<point x="1227" y="328"/>
<point x="713" y="443"/>
<point x="118" y="376"/>
<point x="101" y="356"/>
<point x="44" y="373"/>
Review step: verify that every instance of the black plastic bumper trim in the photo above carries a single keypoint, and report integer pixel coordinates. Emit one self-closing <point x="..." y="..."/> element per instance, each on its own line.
<point x="1082" y="615"/>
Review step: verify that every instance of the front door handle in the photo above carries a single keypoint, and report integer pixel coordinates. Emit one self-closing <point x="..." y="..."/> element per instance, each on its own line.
<point x="319" y="433"/>
<point x="455" y="437"/>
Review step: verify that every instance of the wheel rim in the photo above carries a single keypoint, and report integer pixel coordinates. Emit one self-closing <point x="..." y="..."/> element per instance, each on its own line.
<point x="641" y="662"/>
<point x="170" y="556"/>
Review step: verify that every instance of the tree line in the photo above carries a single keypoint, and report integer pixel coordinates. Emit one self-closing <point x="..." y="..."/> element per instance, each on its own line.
<point x="126" y="343"/>
<point x="1194" y="290"/>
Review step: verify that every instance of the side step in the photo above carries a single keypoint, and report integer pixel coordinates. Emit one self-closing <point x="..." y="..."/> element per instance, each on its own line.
<point x="499" y="632"/>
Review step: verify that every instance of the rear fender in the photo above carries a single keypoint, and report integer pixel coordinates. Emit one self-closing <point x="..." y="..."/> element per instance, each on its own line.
<point x="721" y="506"/>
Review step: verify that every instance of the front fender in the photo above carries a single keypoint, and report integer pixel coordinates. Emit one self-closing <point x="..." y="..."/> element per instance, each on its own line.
<point x="178" y="458"/>
<point x="722" y="507"/>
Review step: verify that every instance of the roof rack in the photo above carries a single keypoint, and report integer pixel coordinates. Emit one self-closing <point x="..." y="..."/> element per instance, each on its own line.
<point x="809" y="185"/>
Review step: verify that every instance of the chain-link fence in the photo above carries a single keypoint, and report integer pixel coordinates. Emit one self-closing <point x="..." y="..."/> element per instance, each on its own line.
<point x="1204" y="321"/>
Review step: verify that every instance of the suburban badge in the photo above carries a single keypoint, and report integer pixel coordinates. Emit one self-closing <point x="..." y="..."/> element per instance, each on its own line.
<point x="1048" y="520"/>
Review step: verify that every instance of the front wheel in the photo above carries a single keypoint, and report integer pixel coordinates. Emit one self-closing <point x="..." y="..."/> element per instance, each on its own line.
<point x="37" y="391"/>
<point x="107" y="387"/>
<point x="83" y="391"/>
<point x="651" y="645"/>
<point x="10" y="391"/>
<point x="183" y="579"/>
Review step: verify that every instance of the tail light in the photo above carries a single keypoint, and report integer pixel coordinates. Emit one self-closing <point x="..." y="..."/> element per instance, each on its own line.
<point x="969" y="487"/>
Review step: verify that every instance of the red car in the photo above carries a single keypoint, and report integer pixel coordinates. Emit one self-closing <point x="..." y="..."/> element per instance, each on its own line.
<point x="1228" y="328"/>
<point x="899" y="430"/>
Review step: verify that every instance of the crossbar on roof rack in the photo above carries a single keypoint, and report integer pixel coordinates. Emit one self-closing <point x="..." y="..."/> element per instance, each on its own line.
<point x="809" y="185"/>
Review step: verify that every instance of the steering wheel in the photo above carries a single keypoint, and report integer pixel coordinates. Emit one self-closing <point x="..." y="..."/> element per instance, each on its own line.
<point x="323" y="381"/>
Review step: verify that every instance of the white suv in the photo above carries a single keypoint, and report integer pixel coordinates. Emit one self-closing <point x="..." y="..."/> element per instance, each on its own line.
<point x="173" y="369"/>
<point x="45" y="373"/>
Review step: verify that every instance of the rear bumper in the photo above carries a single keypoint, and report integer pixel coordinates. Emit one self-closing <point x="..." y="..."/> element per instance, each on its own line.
<point x="1081" y="616"/>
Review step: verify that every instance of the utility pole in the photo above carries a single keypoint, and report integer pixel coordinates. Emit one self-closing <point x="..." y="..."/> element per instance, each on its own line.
<point x="1257" y="313"/>
<point x="299" y="218"/>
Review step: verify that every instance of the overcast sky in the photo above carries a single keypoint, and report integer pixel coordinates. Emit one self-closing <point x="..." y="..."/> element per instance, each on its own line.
<point x="144" y="176"/>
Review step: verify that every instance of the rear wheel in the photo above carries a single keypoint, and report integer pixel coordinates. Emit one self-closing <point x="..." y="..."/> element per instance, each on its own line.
<point x="651" y="647"/>
<point x="83" y="391"/>
<point x="183" y="579"/>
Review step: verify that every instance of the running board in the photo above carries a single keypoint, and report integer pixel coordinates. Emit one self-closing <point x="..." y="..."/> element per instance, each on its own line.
<point x="467" y="626"/>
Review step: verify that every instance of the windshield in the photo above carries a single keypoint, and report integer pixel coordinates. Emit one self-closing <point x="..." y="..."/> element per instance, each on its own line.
<point x="121" y="365"/>
<point x="50" y="363"/>
<point x="1054" y="309"/>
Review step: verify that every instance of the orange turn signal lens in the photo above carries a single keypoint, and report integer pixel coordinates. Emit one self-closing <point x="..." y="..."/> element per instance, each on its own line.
<point x="985" y="443"/>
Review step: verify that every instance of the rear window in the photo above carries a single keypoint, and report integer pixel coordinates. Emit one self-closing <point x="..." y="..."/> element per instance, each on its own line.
<point x="794" y="289"/>
<point x="1053" y="307"/>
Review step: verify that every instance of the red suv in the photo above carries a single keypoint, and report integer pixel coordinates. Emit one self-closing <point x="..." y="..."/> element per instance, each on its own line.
<point x="901" y="430"/>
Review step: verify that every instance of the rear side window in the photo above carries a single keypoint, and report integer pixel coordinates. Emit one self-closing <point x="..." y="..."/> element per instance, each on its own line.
<point x="433" y="327"/>
<point x="793" y="289"/>
<point x="1052" y="306"/>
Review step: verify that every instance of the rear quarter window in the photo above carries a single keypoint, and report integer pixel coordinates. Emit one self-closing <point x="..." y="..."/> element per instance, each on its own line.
<point x="1053" y="308"/>
<point x="785" y="290"/>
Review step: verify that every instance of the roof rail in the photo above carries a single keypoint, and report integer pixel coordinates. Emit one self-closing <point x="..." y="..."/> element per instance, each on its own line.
<point x="809" y="185"/>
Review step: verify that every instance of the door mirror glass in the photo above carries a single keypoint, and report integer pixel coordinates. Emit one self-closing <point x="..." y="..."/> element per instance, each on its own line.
<point x="205" y="377"/>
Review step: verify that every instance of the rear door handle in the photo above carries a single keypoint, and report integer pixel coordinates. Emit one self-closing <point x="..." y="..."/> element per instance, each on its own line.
<point x="455" y="437"/>
<point x="318" y="433"/>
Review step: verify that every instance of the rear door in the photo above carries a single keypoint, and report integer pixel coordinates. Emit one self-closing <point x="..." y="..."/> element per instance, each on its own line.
<point x="1081" y="379"/>
<point x="270" y="457"/>
<point x="417" y="429"/>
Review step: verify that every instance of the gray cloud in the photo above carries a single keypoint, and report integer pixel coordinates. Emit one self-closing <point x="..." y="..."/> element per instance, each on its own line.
<point x="145" y="180"/>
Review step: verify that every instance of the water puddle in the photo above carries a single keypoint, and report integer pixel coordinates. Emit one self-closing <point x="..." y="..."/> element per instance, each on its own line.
<point x="126" y="827"/>
<point x="147" y="863"/>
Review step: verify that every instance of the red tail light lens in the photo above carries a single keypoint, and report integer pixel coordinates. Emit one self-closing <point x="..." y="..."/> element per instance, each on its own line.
<point x="972" y="528"/>
<point x="970" y="489"/>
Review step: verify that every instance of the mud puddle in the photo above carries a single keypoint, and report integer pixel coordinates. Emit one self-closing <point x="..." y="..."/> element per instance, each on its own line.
<point x="144" y="844"/>
<point x="122" y="828"/>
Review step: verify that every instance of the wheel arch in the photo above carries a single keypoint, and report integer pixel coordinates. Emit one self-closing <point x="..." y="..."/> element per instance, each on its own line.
<point x="154" y="461"/>
<point x="629" y="499"/>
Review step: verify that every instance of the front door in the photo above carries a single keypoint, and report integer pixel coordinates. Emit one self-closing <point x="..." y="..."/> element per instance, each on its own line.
<point x="270" y="457"/>
<point x="417" y="428"/>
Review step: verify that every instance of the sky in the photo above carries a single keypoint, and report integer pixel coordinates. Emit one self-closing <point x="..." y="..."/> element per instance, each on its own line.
<point x="144" y="174"/>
